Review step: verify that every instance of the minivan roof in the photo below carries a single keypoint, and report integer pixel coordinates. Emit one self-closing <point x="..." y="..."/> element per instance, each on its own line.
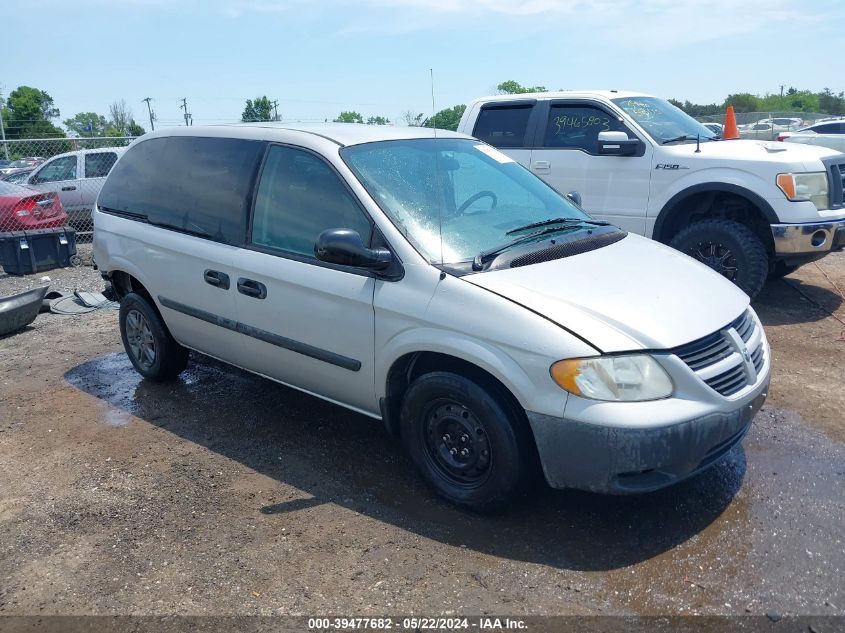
<point x="340" y="133"/>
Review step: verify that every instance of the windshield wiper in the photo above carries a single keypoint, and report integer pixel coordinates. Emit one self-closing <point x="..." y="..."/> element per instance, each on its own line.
<point x="677" y="139"/>
<point x="535" y="225"/>
<point x="485" y="256"/>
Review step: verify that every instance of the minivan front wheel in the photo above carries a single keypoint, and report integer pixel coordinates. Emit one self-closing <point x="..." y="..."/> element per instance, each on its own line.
<point x="152" y="350"/>
<point x="466" y="441"/>
<point x="729" y="248"/>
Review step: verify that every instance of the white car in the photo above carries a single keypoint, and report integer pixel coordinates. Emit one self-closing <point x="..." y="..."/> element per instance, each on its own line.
<point x="749" y="209"/>
<point x="769" y="129"/>
<point x="717" y="128"/>
<point x="427" y="280"/>
<point x="829" y="133"/>
<point x="77" y="177"/>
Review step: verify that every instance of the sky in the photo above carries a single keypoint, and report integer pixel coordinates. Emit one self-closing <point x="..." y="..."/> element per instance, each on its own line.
<point x="319" y="57"/>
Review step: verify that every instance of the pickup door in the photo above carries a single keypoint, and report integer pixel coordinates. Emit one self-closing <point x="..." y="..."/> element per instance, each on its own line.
<point x="566" y="155"/>
<point x="558" y="141"/>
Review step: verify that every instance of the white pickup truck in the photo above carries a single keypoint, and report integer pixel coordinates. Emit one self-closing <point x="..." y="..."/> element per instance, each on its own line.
<point x="749" y="209"/>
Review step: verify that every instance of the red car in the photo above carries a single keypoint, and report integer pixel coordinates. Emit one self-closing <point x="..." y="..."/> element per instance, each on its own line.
<point x="23" y="209"/>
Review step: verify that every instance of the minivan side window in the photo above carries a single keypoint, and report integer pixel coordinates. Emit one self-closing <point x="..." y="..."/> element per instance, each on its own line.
<point x="298" y="198"/>
<point x="195" y="184"/>
<point x="98" y="165"/>
<point x="503" y="126"/>
<point x="578" y="127"/>
<point x="60" y="169"/>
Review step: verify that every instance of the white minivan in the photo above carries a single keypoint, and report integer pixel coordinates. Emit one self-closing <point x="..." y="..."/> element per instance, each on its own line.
<point x="428" y="280"/>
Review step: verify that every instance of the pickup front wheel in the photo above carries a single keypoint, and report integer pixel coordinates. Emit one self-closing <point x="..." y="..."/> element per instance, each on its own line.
<point x="729" y="248"/>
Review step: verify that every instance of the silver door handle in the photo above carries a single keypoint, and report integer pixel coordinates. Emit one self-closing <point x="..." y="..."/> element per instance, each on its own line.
<point x="542" y="164"/>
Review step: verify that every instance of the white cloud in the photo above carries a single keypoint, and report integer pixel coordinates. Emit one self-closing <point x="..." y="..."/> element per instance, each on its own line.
<point x="647" y="23"/>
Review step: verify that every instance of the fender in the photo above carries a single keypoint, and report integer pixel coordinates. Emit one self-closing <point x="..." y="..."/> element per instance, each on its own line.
<point x="706" y="187"/>
<point x="491" y="359"/>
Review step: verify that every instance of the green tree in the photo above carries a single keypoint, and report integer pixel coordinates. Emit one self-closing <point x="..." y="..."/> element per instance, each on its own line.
<point x="511" y="87"/>
<point x="349" y="117"/>
<point x="28" y="113"/>
<point x="378" y="120"/>
<point x="134" y="128"/>
<point x="258" y="110"/>
<point x="87" y="124"/>
<point x="743" y="102"/>
<point x="831" y="103"/>
<point x="446" y="119"/>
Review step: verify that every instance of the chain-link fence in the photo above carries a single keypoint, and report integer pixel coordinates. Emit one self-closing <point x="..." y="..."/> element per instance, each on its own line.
<point x="767" y="126"/>
<point x="51" y="183"/>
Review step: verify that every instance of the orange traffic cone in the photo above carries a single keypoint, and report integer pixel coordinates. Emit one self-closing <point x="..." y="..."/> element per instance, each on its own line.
<point x="730" y="130"/>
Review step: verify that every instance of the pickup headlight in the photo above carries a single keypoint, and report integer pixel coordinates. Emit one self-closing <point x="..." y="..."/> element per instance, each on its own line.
<point x="810" y="186"/>
<point x="629" y="378"/>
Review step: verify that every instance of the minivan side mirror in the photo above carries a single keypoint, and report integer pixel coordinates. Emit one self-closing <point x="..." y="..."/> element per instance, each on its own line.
<point x="574" y="197"/>
<point x="345" y="247"/>
<point x="612" y="143"/>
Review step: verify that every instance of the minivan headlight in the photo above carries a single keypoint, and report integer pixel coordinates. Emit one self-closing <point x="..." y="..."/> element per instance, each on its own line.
<point x="629" y="378"/>
<point x="810" y="186"/>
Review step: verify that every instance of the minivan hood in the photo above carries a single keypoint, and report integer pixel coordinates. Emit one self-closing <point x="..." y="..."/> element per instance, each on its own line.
<point x="633" y="294"/>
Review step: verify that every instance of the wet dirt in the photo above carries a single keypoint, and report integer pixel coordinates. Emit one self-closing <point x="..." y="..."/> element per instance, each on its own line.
<point x="224" y="493"/>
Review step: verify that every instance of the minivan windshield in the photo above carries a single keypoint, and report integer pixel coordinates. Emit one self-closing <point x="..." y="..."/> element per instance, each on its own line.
<point x="664" y="122"/>
<point x="456" y="199"/>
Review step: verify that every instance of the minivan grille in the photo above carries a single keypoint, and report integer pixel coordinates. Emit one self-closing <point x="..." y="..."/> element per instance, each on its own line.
<point x="721" y="361"/>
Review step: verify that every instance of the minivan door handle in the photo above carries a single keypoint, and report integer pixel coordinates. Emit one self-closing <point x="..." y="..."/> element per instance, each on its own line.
<point x="216" y="279"/>
<point x="252" y="288"/>
<point x="68" y="188"/>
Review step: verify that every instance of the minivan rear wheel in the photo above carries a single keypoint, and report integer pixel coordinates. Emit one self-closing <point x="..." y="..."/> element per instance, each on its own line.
<point x="729" y="248"/>
<point x="152" y="350"/>
<point x="467" y="441"/>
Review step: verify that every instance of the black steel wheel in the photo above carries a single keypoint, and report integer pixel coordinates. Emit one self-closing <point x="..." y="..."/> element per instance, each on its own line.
<point x="457" y="444"/>
<point x="469" y="440"/>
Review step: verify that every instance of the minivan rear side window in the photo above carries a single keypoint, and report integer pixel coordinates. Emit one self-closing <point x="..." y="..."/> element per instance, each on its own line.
<point x="298" y="198"/>
<point x="196" y="184"/>
<point x="503" y="126"/>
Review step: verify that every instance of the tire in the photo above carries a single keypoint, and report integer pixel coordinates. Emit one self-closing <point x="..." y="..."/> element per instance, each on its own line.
<point x="148" y="343"/>
<point x="781" y="270"/>
<point x="729" y="248"/>
<point x="444" y="414"/>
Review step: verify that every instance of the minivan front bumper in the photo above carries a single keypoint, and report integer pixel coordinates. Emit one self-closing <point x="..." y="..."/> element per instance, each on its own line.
<point x="628" y="460"/>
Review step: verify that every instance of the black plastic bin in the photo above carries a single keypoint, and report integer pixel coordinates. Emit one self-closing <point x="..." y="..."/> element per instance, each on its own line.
<point x="25" y="252"/>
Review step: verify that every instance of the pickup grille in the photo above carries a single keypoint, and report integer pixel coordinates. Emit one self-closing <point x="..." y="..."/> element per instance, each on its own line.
<point x="725" y="364"/>
<point x="835" y="168"/>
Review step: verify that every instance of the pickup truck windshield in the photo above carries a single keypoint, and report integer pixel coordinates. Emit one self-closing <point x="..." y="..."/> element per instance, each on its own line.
<point x="456" y="198"/>
<point x="663" y="121"/>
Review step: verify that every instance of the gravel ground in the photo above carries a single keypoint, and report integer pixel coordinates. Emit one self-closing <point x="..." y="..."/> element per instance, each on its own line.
<point x="224" y="493"/>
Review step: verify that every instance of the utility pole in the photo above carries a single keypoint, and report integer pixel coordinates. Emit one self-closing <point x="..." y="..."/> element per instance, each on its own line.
<point x="150" y="110"/>
<point x="3" y="131"/>
<point x="187" y="114"/>
<point x="275" y="105"/>
<point x="781" y="90"/>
